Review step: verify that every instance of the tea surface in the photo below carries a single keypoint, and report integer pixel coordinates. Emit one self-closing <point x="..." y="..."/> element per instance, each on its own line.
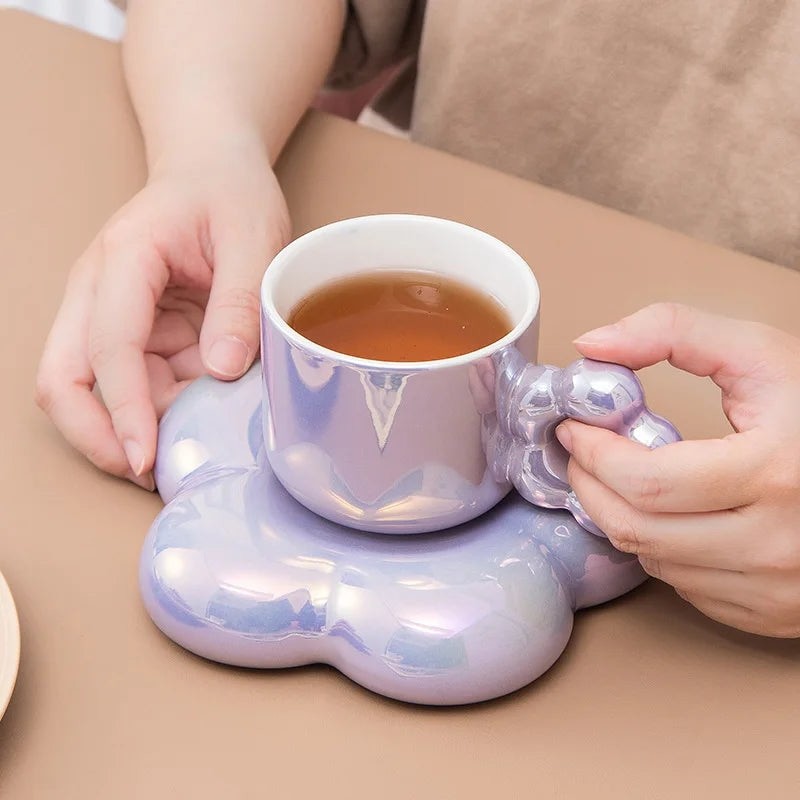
<point x="400" y="315"/>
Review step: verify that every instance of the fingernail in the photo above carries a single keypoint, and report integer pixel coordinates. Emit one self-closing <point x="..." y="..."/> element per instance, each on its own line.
<point x="564" y="436"/>
<point x="598" y="335"/>
<point x="228" y="356"/>
<point x="146" y="482"/>
<point x="135" y="455"/>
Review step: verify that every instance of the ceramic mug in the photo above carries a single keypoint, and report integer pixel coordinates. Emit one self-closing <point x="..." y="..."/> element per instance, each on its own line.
<point x="413" y="447"/>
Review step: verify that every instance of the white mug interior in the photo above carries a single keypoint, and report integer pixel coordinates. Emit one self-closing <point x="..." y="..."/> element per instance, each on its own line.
<point x="388" y="242"/>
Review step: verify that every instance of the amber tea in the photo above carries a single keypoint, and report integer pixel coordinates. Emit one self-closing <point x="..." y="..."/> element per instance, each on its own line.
<point x="400" y="315"/>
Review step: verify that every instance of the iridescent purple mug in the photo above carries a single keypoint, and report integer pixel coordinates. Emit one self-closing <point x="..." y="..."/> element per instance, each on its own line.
<point x="413" y="447"/>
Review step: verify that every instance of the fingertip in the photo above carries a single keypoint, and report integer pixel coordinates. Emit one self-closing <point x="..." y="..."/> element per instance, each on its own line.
<point x="229" y="337"/>
<point x="134" y="452"/>
<point x="598" y="337"/>
<point x="609" y="352"/>
<point x="578" y="432"/>
<point x="564" y="435"/>
<point x="228" y="357"/>
<point x="145" y="481"/>
<point x="148" y="482"/>
<point x="610" y="344"/>
<point x="592" y="447"/>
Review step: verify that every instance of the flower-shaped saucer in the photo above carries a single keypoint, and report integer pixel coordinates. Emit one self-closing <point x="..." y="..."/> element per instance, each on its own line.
<point x="235" y="570"/>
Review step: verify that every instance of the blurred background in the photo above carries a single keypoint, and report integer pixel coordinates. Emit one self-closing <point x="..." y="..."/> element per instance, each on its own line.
<point x="98" y="17"/>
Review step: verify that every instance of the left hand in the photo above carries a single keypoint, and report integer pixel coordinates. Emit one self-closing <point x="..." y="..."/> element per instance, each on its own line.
<point x="718" y="519"/>
<point x="168" y="291"/>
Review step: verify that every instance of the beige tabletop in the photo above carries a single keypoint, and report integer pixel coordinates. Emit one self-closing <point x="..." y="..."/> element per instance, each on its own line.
<point x="650" y="700"/>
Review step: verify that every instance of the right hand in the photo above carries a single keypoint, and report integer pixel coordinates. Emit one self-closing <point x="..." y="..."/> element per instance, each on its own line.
<point x="714" y="518"/>
<point x="167" y="291"/>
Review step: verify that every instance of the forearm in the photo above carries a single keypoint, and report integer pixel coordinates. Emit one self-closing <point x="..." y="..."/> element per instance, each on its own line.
<point x="203" y="73"/>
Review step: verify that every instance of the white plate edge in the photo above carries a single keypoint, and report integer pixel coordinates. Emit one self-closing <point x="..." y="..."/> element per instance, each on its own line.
<point x="9" y="645"/>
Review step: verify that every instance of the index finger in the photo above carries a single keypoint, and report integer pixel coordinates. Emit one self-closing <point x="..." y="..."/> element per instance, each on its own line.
<point x="131" y="284"/>
<point x="65" y="380"/>
<point x="708" y="345"/>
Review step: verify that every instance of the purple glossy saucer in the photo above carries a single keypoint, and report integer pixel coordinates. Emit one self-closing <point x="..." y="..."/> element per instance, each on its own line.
<point x="235" y="570"/>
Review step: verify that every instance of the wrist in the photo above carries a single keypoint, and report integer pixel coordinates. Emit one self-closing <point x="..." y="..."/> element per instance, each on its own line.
<point x="185" y="146"/>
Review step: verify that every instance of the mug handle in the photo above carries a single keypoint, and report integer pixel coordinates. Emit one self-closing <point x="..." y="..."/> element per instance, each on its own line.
<point x="532" y="399"/>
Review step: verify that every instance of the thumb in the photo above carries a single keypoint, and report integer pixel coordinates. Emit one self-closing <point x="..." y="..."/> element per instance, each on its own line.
<point x="229" y="339"/>
<point x="708" y="345"/>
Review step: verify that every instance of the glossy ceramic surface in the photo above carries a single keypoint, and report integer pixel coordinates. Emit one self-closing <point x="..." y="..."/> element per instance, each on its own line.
<point x="531" y="400"/>
<point x="235" y="570"/>
<point x="9" y="645"/>
<point x="388" y="447"/>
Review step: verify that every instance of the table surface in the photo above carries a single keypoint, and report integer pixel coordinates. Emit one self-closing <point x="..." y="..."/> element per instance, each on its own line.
<point x="649" y="700"/>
